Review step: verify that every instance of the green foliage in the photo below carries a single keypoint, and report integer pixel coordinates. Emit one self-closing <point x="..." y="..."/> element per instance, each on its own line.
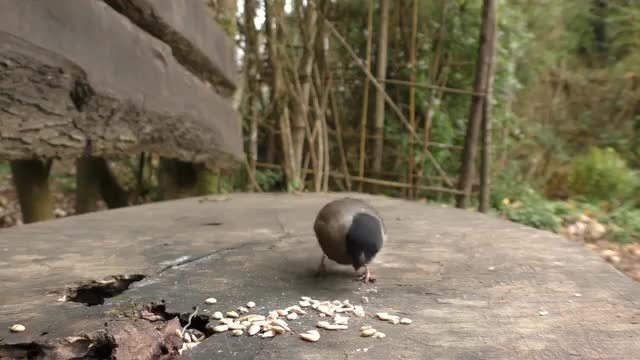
<point x="519" y="202"/>
<point x="509" y="187"/>
<point x="602" y="175"/>
<point x="269" y="179"/>
<point x="625" y="222"/>
<point x="536" y="212"/>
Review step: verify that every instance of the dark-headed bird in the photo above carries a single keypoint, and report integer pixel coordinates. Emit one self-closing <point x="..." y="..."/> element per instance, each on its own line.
<point x="350" y="232"/>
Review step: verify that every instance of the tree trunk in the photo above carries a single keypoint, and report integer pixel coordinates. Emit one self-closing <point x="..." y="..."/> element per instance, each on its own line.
<point x="251" y="76"/>
<point x="485" y="169"/>
<point x="483" y="66"/>
<point x="31" y="179"/>
<point x="381" y="76"/>
<point x="600" y="33"/>
<point x="412" y="99"/>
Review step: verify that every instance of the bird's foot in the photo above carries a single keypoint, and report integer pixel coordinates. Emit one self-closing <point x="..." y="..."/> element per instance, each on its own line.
<point x="322" y="268"/>
<point x="367" y="277"/>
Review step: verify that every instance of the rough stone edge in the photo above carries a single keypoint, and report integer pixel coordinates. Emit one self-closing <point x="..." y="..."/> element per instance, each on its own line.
<point x="215" y="68"/>
<point x="133" y="338"/>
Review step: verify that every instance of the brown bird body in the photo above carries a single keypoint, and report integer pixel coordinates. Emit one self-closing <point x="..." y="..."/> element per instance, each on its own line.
<point x="346" y="241"/>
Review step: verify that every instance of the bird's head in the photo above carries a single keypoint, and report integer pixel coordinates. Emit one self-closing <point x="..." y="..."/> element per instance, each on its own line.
<point x="364" y="239"/>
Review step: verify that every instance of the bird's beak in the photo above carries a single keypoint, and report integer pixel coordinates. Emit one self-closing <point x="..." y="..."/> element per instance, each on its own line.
<point x="361" y="260"/>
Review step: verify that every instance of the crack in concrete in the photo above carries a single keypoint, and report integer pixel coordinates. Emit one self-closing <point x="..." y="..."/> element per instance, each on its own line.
<point x="191" y="260"/>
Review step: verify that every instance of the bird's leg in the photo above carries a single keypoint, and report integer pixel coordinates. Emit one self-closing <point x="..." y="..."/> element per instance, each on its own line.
<point x="322" y="269"/>
<point x="367" y="276"/>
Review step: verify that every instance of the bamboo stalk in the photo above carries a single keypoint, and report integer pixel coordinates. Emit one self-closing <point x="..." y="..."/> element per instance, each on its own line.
<point x="320" y="110"/>
<point x="252" y="174"/>
<point x="380" y="98"/>
<point x="351" y="135"/>
<point x="433" y="87"/>
<point x="442" y="84"/>
<point x="295" y="90"/>
<point x="387" y="98"/>
<point x="338" y="133"/>
<point x="388" y="183"/>
<point x="365" y="98"/>
<point x="323" y="138"/>
<point x="303" y="74"/>
<point x="279" y="93"/>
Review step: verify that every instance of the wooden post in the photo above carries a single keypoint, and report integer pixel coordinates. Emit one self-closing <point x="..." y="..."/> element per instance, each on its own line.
<point x="87" y="185"/>
<point x="31" y="179"/>
<point x="483" y="65"/>
<point x="94" y="178"/>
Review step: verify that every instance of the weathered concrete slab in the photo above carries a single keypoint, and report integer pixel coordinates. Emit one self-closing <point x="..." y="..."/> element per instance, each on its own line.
<point x="136" y="95"/>
<point x="473" y="285"/>
<point x="196" y="40"/>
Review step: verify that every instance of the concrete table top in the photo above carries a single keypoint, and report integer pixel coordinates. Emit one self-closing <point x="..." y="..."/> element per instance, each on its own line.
<point x="476" y="287"/>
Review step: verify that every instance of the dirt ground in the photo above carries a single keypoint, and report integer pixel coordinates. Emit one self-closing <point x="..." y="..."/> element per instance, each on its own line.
<point x="624" y="257"/>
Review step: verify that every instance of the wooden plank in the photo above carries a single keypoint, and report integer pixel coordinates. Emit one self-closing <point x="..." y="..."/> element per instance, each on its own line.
<point x="134" y="94"/>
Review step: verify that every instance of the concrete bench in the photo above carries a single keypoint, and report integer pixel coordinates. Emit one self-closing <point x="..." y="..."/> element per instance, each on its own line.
<point x="476" y="287"/>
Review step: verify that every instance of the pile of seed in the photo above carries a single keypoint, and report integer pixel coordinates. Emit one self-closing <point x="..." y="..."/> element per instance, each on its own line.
<point x="336" y="314"/>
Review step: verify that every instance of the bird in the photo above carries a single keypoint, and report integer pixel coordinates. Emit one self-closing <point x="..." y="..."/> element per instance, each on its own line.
<point x="350" y="232"/>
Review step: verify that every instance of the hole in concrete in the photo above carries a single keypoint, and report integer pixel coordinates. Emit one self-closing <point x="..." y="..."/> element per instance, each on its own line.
<point x="213" y="223"/>
<point x="95" y="292"/>
<point x="101" y="351"/>
<point x="198" y="322"/>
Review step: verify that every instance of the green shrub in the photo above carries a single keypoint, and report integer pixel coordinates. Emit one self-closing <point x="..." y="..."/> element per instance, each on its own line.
<point x="625" y="224"/>
<point x="602" y="175"/>
<point x="508" y="185"/>
<point x="536" y="212"/>
<point x="268" y="179"/>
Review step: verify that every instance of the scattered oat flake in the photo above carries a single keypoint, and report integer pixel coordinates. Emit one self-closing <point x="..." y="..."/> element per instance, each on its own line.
<point x="543" y="313"/>
<point x="17" y="328"/>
